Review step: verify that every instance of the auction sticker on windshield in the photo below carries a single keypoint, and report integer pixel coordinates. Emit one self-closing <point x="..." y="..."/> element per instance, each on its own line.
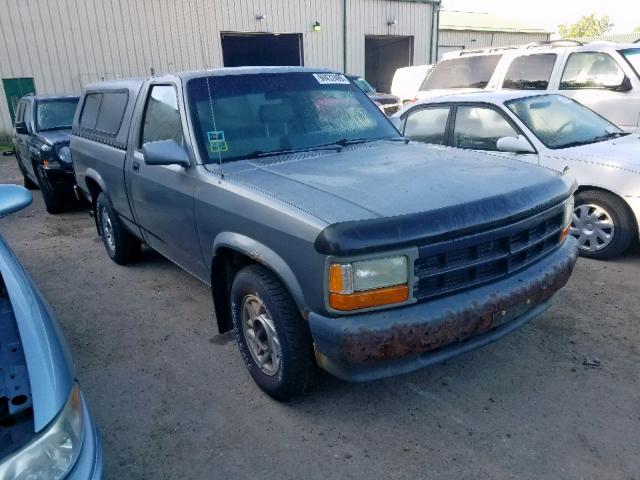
<point x="217" y="143"/>
<point x="331" y="79"/>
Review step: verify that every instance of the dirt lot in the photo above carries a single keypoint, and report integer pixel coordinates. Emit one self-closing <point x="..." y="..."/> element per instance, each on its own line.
<point x="173" y="399"/>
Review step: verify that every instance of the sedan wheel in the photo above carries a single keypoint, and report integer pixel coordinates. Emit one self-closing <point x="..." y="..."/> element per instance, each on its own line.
<point x="593" y="227"/>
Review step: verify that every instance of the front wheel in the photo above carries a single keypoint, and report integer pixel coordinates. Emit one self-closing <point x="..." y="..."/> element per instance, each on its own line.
<point x="121" y="246"/>
<point x="602" y="224"/>
<point x="28" y="183"/>
<point x="51" y="203"/>
<point x="272" y="336"/>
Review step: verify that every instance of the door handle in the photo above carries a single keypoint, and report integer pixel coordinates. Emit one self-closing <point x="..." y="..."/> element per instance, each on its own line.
<point x="135" y="166"/>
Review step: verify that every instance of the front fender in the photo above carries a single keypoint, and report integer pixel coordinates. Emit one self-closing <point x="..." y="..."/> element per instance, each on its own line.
<point x="93" y="174"/>
<point x="265" y="256"/>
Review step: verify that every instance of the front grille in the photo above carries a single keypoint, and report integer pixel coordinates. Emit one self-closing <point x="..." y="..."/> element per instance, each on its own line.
<point x="473" y="260"/>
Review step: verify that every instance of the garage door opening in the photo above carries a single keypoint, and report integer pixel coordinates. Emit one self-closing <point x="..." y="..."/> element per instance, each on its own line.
<point x="261" y="49"/>
<point x="383" y="55"/>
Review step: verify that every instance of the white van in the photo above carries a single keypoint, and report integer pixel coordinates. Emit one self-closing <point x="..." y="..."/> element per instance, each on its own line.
<point x="603" y="76"/>
<point x="407" y="81"/>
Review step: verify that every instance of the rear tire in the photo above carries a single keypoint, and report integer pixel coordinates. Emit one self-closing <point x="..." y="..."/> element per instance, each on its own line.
<point x="602" y="224"/>
<point x="121" y="246"/>
<point x="275" y="343"/>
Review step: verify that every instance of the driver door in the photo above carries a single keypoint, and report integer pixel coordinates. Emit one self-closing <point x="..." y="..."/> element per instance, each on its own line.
<point x="162" y="195"/>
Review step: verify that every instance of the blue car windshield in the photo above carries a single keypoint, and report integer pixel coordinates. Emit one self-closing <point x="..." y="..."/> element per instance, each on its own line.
<point x="244" y="116"/>
<point x="55" y="114"/>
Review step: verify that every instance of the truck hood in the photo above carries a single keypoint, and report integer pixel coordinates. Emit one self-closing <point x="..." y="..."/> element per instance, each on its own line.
<point x="55" y="137"/>
<point x="383" y="98"/>
<point x="391" y="179"/>
<point x="623" y="153"/>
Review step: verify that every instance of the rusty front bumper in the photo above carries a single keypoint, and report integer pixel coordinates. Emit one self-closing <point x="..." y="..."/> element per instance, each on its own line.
<point x="389" y="342"/>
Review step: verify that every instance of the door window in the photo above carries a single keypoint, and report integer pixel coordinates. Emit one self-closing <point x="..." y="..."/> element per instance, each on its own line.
<point x="590" y="70"/>
<point x="27" y="114"/>
<point x="479" y="128"/>
<point x="20" y="112"/>
<point x="427" y="125"/>
<point x="531" y="72"/>
<point x="89" y="115"/>
<point x="464" y="72"/>
<point x="162" y="117"/>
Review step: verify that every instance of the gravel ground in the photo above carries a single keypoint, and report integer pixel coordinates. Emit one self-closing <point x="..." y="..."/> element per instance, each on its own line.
<point x="173" y="399"/>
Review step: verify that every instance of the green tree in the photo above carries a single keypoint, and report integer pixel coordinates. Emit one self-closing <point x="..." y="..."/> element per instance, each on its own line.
<point x="587" y="26"/>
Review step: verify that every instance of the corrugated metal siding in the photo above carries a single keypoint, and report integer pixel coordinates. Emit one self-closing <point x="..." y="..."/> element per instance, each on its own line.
<point x="65" y="44"/>
<point x="370" y="17"/>
<point x="463" y="38"/>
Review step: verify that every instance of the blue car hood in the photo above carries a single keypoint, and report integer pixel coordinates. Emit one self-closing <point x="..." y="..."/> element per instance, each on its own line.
<point x="54" y="137"/>
<point x="392" y="179"/>
<point x="46" y="354"/>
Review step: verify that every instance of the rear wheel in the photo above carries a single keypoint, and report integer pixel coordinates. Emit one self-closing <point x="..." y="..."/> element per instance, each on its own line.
<point x="602" y="224"/>
<point x="272" y="336"/>
<point x="121" y="246"/>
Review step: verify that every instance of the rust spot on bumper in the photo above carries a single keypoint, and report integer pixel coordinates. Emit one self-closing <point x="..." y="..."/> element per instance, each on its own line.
<point x="402" y="340"/>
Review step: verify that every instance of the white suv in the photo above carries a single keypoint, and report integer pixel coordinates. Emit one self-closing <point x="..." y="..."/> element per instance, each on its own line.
<point x="603" y="76"/>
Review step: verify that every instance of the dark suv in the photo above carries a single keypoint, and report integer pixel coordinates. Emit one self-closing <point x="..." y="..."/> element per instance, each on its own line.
<point x="41" y="140"/>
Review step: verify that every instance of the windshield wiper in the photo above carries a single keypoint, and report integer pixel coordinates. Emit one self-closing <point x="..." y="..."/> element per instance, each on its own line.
<point x="355" y="141"/>
<point x="287" y="151"/>
<point x="60" y="127"/>
<point x="601" y="138"/>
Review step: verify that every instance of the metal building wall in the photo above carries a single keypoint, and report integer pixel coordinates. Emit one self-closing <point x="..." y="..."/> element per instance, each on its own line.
<point x="65" y="44"/>
<point x="370" y="17"/>
<point x="463" y="38"/>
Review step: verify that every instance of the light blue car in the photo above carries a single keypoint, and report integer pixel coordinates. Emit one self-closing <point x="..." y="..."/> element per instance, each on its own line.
<point x="46" y="431"/>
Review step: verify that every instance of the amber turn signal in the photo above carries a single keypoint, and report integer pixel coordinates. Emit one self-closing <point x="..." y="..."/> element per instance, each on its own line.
<point x="370" y="298"/>
<point x="564" y="232"/>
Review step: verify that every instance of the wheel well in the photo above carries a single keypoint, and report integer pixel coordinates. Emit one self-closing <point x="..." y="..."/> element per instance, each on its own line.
<point x="586" y="188"/>
<point x="226" y="263"/>
<point x="94" y="190"/>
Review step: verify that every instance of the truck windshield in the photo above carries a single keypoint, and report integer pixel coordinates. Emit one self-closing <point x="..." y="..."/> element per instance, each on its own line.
<point x="249" y="115"/>
<point x="55" y="114"/>
<point x="632" y="55"/>
<point x="560" y="122"/>
<point x="464" y="72"/>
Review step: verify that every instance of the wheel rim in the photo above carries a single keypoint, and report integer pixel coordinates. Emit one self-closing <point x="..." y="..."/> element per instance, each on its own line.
<point x="107" y="229"/>
<point x="592" y="226"/>
<point x="261" y="335"/>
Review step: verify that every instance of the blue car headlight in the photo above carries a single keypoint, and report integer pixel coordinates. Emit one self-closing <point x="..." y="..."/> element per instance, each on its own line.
<point x="64" y="154"/>
<point x="54" y="450"/>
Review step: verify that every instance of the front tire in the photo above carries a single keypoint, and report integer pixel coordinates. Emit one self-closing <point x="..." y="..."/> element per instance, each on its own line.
<point x="28" y="183"/>
<point x="272" y="336"/>
<point x="602" y="224"/>
<point x="121" y="246"/>
<point x="51" y="203"/>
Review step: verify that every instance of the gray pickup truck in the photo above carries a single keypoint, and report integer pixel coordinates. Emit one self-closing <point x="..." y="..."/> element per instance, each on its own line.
<point x="327" y="238"/>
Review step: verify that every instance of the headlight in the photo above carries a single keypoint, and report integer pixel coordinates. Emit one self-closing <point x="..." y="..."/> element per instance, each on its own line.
<point x="54" y="451"/>
<point x="64" y="154"/>
<point x="368" y="283"/>
<point x="569" y="205"/>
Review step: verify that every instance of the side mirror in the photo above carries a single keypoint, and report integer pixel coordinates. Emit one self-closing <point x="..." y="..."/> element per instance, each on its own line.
<point x="165" y="152"/>
<point x="514" y="145"/>
<point x="21" y="128"/>
<point x="622" y="86"/>
<point x="397" y="122"/>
